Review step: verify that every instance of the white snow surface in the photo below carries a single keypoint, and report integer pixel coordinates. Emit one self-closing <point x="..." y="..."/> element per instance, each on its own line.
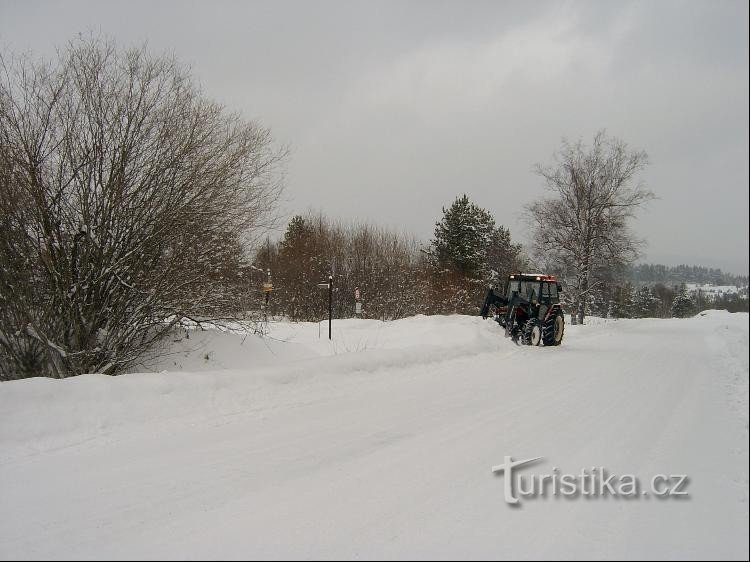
<point x="380" y="443"/>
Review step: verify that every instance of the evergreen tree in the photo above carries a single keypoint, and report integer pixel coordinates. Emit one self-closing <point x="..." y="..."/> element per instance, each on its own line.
<point x="468" y="243"/>
<point x="645" y="304"/>
<point x="503" y="256"/>
<point x="683" y="306"/>
<point x="664" y="295"/>
<point x="304" y="266"/>
<point x="623" y="302"/>
<point x="600" y="301"/>
<point x="463" y="238"/>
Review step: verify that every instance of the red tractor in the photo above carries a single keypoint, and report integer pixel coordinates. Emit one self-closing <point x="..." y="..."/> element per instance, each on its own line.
<point x="530" y="309"/>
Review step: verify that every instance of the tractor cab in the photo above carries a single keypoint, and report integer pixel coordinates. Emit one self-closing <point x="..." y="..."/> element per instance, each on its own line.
<point x="536" y="288"/>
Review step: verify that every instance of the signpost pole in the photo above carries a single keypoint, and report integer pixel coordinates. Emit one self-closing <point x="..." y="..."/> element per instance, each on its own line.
<point x="267" y="288"/>
<point x="330" y="304"/>
<point x="328" y="286"/>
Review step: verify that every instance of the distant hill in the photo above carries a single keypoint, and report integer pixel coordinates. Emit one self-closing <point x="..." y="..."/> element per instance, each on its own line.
<point x="649" y="274"/>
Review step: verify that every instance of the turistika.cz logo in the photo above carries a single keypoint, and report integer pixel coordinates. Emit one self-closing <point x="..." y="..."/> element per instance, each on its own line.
<point x="594" y="482"/>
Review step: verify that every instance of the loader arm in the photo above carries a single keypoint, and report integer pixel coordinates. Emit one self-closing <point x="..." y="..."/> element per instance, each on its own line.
<point x="492" y="299"/>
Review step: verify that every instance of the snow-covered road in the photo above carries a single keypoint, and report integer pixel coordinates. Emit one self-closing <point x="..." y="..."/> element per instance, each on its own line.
<point x="381" y="444"/>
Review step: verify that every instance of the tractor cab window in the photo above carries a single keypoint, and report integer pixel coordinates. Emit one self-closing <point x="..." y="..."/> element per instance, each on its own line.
<point x="513" y="287"/>
<point x="549" y="292"/>
<point x="530" y="290"/>
<point x="553" y="291"/>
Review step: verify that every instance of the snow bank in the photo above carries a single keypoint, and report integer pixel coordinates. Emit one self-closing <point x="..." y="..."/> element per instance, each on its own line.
<point x="207" y="375"/>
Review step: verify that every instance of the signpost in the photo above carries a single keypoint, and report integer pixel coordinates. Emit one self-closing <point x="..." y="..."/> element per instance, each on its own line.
<point x="357" y="302"/>
<point x="267" y="288"/>
<point x="329" y="286"/>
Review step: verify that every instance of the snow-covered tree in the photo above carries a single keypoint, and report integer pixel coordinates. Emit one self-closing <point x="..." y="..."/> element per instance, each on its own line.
<point x="468" y="242"/>
<point x="600" y="301"/>
<point x="503" y="256"/>
<point x="645" y="304"/>
<point x="468" y="252"/>
<point x="623" y="301"/>
<point x="463" y="238"/>
<point x="683" y="305"/>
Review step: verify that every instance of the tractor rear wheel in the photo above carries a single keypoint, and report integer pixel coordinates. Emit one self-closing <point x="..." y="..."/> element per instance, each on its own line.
<point x="532" y="332"/>
<point x="553" y="329"/>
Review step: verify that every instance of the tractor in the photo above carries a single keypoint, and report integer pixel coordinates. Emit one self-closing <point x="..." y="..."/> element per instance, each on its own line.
<point x="530" y="309"/>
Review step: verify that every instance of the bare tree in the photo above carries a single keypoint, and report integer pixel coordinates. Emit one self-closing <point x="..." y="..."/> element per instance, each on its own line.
<point x="581" y="229"/>
<point x="385" y="266"/>
<point x="125" y="197"/>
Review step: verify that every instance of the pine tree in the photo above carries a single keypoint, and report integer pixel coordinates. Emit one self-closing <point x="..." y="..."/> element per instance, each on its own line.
<point x="683" y="306"/>
<point x="302" y="266"/>
<point x="468" y="243"/>
<point x="623" y="303"/>
<point x="645" y="304"/>
<point x="600" y="301"/>
<point x="462" y="239"/>
<point x="503" y="256"/>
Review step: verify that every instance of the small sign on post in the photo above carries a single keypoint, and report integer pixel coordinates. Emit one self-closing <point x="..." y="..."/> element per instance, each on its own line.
<point x="357" y="302"/>
<point x="267" y="287"/>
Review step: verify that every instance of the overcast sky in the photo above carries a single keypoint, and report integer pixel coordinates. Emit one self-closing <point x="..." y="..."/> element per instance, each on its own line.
<point x="393" y="109"/>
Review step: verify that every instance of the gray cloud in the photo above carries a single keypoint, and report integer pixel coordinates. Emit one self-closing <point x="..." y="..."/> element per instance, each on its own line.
<point x="392" y="109"/>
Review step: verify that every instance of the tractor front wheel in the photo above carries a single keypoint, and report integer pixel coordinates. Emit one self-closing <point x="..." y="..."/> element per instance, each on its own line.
<point x="532" y="332"/>
<point x="554" y="328"/>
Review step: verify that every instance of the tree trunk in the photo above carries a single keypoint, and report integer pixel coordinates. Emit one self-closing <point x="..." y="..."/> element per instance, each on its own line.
<point x="583" y="287"/>
<point x="581" y="312"/>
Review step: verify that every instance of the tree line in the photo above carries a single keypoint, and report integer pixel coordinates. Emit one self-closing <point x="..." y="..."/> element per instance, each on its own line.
<point x="650" y="273"/>
<point x="393" y="272"/>
<point x="396" y="275"/>
<point x="625" y="299"/>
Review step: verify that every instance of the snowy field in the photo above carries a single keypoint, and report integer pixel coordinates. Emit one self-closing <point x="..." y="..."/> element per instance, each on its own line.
<point x="380" y="444"/>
